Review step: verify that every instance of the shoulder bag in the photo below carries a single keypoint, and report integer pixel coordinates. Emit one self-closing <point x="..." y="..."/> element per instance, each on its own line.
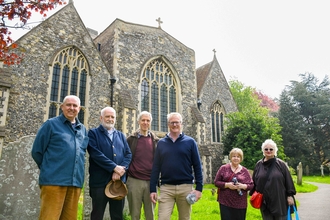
<point x="256" y="198"/>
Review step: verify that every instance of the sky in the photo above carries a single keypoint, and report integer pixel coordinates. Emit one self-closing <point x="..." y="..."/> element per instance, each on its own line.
<point x="263" y="44"/>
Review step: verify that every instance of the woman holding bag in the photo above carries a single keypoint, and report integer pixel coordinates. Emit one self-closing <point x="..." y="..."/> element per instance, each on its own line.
<point x="233" y="181"/>
<point x="276" y="185"/>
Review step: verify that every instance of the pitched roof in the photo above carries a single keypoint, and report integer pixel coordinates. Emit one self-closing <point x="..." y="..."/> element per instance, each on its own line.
<point x="201" y="75"/>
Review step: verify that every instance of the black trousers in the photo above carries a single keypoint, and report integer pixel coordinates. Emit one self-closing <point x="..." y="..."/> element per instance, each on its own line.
<point x="99" y="203"/>
<point x="229" y="213"/>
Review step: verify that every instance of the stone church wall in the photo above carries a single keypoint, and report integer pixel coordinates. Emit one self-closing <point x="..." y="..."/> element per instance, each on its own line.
<point x="215" y="88"/>
<point x="27" y="104"/>
<point x="133" y="46"/>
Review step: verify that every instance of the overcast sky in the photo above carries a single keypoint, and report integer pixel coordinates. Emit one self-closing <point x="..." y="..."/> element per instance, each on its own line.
<point x="263" y="44"/>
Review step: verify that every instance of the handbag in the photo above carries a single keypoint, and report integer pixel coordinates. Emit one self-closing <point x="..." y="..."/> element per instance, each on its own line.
<point x="257" y="197"/>
<point x="256" y="200"/>
<point x="295" y="212"/>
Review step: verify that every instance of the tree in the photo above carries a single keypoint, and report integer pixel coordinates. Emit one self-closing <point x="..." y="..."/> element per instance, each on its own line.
<point x="18" y="12"/>
<point x="304" y="117"/>
<point x="266" y="101"/>
<point x="248" y="128"/>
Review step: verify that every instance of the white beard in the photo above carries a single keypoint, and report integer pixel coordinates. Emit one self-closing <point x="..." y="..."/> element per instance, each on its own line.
<point x="108" y="126"/>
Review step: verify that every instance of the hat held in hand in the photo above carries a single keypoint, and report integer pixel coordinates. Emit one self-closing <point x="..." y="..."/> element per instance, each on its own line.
<point x="116" y="190"/>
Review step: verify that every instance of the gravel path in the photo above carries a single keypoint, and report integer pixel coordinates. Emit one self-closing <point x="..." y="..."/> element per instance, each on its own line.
<point x="315" y="205"/>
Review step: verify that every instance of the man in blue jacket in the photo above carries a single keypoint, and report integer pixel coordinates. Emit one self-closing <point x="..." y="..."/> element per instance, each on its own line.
<point x="178" y="164"/>
<point x="59" y="151"/>
<point x="109" y="159"/>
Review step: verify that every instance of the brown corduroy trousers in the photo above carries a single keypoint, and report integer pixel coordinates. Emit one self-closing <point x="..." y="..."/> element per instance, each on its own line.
<point x="59" y="202"/>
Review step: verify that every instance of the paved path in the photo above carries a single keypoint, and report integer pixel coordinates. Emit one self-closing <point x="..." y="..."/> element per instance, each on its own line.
<point x="315" y="205"/>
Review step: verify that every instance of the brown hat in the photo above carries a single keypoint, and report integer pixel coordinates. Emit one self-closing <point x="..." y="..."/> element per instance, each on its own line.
<point x="116" y="190"/>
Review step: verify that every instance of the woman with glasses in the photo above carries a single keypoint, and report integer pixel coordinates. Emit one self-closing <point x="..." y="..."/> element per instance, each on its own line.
<point x="272" y="178"/>
<point x="233" y="181"/>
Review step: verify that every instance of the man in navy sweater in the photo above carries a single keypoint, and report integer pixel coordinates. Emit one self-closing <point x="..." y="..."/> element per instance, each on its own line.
<point x="176" y="162"/>
<point x="109" y="159"/>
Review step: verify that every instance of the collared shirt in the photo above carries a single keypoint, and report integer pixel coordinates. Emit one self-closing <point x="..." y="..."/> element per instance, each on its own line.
<point x="110" y="133"/>
<point x="148" y="134"/>
<point x="169" y="135"/>
<point x="59" y="151"/>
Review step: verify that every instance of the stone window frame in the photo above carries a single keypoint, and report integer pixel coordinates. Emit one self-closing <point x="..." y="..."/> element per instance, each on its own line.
<point x="163" y="84"/>
<point x="217" y="117"/>
<point x="76" y="63"/>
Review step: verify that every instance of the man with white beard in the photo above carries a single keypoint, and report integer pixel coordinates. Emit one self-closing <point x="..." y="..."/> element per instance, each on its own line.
<point x="109" y="159"/>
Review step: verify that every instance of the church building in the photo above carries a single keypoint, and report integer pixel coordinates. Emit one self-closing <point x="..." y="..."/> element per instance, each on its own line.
<point x="131" y="67"/>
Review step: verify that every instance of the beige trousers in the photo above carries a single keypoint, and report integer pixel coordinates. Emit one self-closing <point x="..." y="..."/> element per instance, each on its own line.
<point x="174" y="194"/>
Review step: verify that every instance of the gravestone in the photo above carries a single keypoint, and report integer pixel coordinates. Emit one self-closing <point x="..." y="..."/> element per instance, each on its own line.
<point x="307" y="170"/>
<point x="225" y="160"/>
<point x="19" y="189"/>
<point x="299" y="174"/>
<point x="322" y="172"/>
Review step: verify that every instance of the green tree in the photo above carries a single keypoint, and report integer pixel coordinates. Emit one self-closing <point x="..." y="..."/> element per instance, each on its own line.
<point x="304" y="117"/>
<point x="248" y="128"/>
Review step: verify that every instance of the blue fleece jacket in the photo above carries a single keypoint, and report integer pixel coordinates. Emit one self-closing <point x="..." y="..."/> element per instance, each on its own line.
<point x="177" y="162"/>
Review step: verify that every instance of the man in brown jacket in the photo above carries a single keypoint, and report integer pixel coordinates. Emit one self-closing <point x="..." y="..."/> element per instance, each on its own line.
<point x="143" y="145"/>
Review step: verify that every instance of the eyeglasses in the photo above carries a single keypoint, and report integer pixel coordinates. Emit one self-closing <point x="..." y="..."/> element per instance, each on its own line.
<point x="174" y="123"/>
<point x="269" y="149"/>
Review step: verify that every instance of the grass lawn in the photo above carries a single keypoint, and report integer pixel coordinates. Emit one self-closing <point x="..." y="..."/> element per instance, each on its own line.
<point x="207" y="208"/>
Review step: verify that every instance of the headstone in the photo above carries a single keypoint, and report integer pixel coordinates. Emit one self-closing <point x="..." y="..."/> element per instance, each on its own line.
<point x="19" y="189"/>
<point x="322" y="172"/>
<point x="225" y="160"/>
<point x="307" y="170"/>
<point x="299" y="174"/>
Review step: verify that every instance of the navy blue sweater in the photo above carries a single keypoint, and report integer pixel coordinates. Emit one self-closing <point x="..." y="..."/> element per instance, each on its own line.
<point x="177" y="162"/>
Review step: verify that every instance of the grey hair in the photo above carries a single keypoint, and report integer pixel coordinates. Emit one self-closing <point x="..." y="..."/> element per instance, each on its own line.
<point x="271" y="143"/>
<point x="107" y="108"/>
<point x="144" y="113"/>
<point x="71" y="96"/>
<point x="172" y="114"/>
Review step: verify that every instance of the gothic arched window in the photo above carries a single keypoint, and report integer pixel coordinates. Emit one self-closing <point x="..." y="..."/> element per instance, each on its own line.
<point x="69" y="77"/>
<point x="217" y="113"/>
<point x="158" y="93"/>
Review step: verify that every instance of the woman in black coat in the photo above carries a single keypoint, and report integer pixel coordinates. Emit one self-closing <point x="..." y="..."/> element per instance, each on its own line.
<point x="278" y="189"/>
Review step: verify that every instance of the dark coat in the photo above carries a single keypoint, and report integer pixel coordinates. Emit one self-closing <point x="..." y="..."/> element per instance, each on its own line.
<point x="278" y="187"/>
<point x="104" y="157"/>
